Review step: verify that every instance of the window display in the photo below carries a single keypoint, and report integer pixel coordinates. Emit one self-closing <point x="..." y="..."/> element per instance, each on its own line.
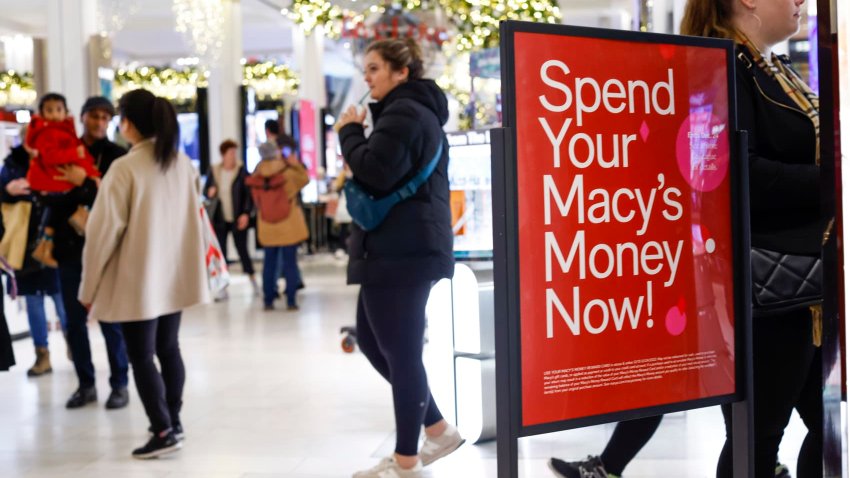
<point x="471" y="195"/>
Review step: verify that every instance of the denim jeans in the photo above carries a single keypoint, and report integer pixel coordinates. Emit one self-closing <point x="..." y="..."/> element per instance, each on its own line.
<point x="70" y="275"/>
<point x="38" y="318"/>
<point x="286" y="259"/>
<point x="276" y="261"/>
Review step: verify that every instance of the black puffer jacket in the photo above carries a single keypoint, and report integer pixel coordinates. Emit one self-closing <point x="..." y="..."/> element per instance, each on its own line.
<point x="414" y="243"/>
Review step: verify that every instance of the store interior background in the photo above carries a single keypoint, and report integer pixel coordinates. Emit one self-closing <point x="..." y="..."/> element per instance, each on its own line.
<point x="268" y="66"/>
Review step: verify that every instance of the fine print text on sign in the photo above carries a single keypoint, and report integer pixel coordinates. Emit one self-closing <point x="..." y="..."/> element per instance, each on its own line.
<point x="626" y="296"/>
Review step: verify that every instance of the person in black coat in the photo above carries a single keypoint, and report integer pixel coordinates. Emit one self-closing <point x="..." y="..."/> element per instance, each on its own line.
<point x="68" y="251"/>
<point x="780" y="114"/>
<point x="233" y="205"/>
<point x="397" y="262"/>
<point x="34" y="280"/>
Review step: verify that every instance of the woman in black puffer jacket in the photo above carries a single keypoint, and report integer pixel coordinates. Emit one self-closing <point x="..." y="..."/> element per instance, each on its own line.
<point x="397" y="262"/>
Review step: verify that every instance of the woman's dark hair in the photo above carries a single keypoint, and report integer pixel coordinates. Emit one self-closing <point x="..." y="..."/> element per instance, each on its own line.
<point x="400" y="54"/>
<point x="226" y="145"/>
<point x="51" y="97"/>
<point x="153" y="117"/>
<point x="709" y="18"/>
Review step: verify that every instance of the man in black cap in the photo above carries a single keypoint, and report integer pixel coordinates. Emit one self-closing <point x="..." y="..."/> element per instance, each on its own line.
<point x="68" y="251"/>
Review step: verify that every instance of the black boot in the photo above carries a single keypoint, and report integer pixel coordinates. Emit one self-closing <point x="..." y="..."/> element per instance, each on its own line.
<point x="117" y="399"/>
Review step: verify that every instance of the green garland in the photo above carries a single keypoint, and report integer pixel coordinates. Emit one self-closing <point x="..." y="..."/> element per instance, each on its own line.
<point x="312" y="13"/>
<point x="17" y="88"/>
<point x="149" y="75"/>
<point x="272" y="81"/>
<point x="477" y="21"/>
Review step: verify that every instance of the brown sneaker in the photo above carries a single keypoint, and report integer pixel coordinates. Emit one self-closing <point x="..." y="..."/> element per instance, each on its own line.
<point x="42" y="363"/>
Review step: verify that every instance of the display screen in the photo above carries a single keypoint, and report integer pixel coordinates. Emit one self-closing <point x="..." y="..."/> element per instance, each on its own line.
<point x="255" y="135"/>
<point x="471" y="194"/>
<point x="190" y="143"/>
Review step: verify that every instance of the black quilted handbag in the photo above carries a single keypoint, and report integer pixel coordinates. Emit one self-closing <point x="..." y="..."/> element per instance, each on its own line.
<point x="784" y="281"/>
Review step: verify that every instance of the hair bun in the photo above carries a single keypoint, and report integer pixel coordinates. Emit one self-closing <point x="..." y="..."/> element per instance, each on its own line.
<point x="415" y="49"/>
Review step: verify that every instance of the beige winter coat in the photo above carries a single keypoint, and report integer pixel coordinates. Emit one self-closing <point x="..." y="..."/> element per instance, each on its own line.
<point x="143" y="256"/>
<point x="293" y="229"/>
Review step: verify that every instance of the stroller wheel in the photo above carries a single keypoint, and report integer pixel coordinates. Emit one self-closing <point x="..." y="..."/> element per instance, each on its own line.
<point x="348" y="344"/>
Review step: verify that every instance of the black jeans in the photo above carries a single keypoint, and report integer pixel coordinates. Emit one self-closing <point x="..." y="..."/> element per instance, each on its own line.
<point x="390" y="333"/>
<point x="626" y="441"/>
<point x="240" y="238"/>
<point x="161" y="393"/>
<point x="786" y="375"/>
<point x="70" y="276"/>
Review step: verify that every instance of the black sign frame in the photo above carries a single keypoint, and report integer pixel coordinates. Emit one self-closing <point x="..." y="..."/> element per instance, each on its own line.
<point x="506" y="262"/>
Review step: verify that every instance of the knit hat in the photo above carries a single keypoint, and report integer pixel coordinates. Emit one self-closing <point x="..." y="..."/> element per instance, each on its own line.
<point x="269" y="151"/>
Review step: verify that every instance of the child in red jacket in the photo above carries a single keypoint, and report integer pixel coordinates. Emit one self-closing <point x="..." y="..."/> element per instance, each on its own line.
<point x="53" y="143"/>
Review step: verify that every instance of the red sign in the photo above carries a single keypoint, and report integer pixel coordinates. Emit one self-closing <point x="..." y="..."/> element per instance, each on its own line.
<point x="625" y="240"/>
<point x="309" y="140"/>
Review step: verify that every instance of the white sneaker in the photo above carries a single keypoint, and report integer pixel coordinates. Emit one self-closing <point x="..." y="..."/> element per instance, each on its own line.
<point x="256" y="287"/>
<point x="221" y="296"/>
<point x="388" y="468"/>
<point x="437" y="447"/>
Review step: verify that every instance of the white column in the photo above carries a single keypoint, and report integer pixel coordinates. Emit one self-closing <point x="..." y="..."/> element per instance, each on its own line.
<point x="661" y="10"/>
<point x="18" y="53"/>
<point x="309" y="52"/>
<point x="70" y="23"/>
<point x="678" y="13"/>
<point x="225" y="118"/>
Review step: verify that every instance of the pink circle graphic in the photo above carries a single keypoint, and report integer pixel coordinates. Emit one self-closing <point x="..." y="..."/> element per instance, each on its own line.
<point x="702" y="150"/>
<point x="675" y="321"/>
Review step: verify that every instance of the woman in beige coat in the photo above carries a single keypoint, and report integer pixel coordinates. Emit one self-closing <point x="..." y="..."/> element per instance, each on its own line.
<point x="143" y="261"/>
<point x="279" y="237"/>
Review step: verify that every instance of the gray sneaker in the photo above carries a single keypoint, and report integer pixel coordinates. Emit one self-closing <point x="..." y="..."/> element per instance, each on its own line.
<point x="388" y="468"/>
<point x="437" y="447"/>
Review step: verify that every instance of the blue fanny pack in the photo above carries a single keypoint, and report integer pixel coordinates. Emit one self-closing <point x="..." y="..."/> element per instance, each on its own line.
<point x="368" y="212"/>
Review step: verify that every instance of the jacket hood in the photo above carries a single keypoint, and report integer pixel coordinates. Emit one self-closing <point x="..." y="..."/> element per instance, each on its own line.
<point x="425" y="92"/>
<point x="270" y="167"/>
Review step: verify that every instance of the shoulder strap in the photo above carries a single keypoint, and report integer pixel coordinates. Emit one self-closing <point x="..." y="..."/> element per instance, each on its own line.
<point x="417" y="181"/>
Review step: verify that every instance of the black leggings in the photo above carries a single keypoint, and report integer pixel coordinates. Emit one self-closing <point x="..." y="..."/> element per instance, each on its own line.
<point x="786" y="375"/>
<point x="161" y="393"/>
<point x="240" y="238"/>
<point x="390" y="332"/>
<point x="628" y="439"/>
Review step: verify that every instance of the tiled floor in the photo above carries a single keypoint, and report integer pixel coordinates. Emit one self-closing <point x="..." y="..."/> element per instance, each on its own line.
<point x="270" y="394"/>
